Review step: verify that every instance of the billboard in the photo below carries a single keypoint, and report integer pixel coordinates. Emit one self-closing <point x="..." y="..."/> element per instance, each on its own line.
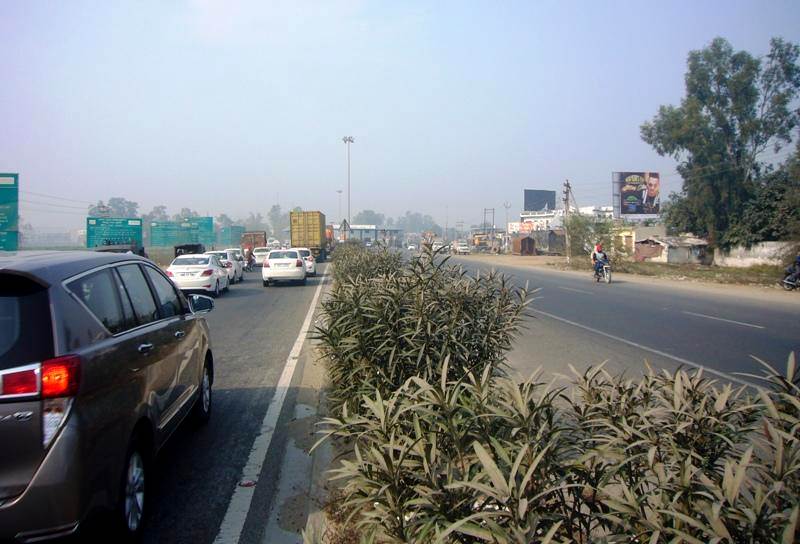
<point x="9" y="212"/>
<point x="520" y="227"/>
<point x="636" y="195"/>
<point x="113" y="231"/>
<point x="537" y="200"/>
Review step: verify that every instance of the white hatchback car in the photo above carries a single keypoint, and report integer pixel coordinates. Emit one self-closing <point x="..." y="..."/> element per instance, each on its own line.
<point x="199" y="273"/>
<point x="283" y="265"/>
<point x="308" y="258"/>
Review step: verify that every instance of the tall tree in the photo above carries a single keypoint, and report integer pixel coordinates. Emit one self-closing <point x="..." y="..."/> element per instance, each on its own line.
<point x="368" y="217"/>
<point x="184" y="214"/>
<point x="736" y="107"/>
<point x="116" y="207"/>
<point x="223" y="220"/>
<point x="278" y="219"/>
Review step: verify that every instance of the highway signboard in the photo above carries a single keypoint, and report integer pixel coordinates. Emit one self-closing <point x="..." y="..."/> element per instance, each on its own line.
<point x="113" y="231"/>
<point x="9" y="212"/>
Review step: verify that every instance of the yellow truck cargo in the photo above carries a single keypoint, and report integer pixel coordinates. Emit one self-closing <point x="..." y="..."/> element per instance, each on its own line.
<point x="308" y="230"/>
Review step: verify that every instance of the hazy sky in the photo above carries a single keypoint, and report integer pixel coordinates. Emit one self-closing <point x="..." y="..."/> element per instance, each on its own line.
<point x="228" y="106"/>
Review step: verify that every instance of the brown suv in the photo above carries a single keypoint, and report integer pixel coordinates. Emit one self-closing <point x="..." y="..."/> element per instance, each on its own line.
<point x="101" y="358"/>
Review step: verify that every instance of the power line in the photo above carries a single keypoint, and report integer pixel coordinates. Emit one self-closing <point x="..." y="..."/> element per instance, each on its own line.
<point x="56" y="197"/>
<point x="51" y="204"/>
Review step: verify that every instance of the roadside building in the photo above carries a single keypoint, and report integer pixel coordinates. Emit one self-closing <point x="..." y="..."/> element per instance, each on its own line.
<point x="673" y="250"/>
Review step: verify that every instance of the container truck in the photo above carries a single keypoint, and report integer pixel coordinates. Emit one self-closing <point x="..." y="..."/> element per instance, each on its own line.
<point x="308" y="230"/>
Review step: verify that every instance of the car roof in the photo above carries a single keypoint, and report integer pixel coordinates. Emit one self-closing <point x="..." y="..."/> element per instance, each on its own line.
<point x="195" y="255"/>
<point x="261" y="247"/>
<point x="51" y="267"/>
<point x="300" y="248"/>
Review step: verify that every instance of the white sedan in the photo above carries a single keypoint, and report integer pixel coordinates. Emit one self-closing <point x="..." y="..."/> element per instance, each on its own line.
<point x="283" y="265"/>
<point x="308" y="258"/>
<point x="199" y="273"/>
<point x="260" y="253"/>
<point x="230" y="260"/>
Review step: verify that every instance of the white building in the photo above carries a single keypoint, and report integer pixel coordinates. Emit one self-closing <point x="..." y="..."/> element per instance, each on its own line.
<point x="553" y="219"/>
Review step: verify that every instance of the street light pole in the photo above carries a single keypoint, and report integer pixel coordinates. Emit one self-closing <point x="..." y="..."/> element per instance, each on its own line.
<point x="347" y="141"/>
<point x="339" y="214"/>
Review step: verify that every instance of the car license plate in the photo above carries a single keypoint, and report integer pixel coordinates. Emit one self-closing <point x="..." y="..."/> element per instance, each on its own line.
<point x="282" y="265"/>
<point x="186" y="274"/>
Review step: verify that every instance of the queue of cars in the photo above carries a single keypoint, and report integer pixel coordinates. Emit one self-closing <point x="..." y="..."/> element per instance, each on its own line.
<point x="102" y="357"/>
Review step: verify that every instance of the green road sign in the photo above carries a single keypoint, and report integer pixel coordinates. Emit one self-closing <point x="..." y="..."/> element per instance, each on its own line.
<point x="9" y="212"/>
<point x="113" y="231"/>
<point x="194" y="230"/>
<point x="230" y="236"/>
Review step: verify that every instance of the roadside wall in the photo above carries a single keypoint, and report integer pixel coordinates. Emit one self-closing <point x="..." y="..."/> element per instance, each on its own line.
<point x="770" y="253"/>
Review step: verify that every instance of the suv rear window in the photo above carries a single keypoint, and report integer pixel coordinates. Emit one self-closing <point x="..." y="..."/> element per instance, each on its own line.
<point x="190" y="261"/>
<point x="305" y="253"/>
<point x="26" y="333"/>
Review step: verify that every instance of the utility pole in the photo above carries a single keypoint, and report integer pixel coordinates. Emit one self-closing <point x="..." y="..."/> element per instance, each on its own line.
<point x="567" y="191"/>
<point x="347" y="141"/>
<point x="446" y="222"/>
<point x="506" y="237"/>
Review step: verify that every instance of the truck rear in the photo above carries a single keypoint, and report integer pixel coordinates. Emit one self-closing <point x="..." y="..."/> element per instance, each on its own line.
<point x="253" y="239"/>
<point x="308" y="230"/>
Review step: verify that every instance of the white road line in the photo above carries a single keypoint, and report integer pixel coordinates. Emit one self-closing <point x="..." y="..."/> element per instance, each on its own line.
<point x="235" y="516"/>
<point x="726" y="320"/>
<point x="681" y="360"/>
<point x="576" y="290"/>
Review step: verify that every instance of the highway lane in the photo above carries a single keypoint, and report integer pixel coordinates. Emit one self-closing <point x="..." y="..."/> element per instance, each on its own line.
<point x="253" y="330"/>
<point x="629" y="322"/>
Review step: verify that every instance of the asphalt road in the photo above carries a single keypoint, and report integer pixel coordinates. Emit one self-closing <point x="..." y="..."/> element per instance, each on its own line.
<point x="253" y="330"/>
<point x="580" y="322"/>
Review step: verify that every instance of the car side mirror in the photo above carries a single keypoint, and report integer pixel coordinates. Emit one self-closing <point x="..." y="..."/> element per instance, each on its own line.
<point x="201" y="304"/>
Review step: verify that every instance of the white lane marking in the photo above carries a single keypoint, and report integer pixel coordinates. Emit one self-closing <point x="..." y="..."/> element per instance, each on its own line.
<point x="726" y="320"/>
<point x="576" y="290"/>
<point x="681" y="360"/>
<point x="233" y="523"/>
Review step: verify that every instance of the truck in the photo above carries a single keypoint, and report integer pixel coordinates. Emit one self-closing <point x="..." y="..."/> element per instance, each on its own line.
<point x="308" y="230"/>
<point x="253" y="238"/>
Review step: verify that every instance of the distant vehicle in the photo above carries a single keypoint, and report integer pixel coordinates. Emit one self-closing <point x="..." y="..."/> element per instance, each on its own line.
<point x="308" y="259"/>
<point x="412" y="247"/>
<point x="260" y="253"/>
<point x="239" y="257"/>
<point x="199" y="273"/>
<point x="189" y="249"/>
<point x="307" y="229"/>
<point x="436" y="246"/>
<point x="101" y="359"/>
<point x="229" y="260"/>
<point x="283" y="265"/>
<point x="461" y="248"/>
<point x="252" y="239"/>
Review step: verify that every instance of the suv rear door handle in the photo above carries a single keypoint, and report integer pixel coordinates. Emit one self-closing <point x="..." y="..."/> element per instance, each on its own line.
<point x="145" y="348"/>
<point x="179" y="334"/>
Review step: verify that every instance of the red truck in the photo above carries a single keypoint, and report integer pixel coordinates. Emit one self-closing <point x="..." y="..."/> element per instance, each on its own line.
<point x="255" y="238"/>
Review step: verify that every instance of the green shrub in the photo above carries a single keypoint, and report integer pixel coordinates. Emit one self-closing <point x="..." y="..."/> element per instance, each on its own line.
<point x="667" y="458"/>
<point x="384" y="323"/>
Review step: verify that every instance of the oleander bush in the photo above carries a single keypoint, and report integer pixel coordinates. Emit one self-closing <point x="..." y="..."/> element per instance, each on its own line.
<point x="386" y="321"/>
<point x="445" y="447"/>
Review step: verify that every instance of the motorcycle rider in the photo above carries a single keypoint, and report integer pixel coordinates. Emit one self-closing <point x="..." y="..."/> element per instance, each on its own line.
<point x="793" y="271"/>
<point x="599" y="258"/>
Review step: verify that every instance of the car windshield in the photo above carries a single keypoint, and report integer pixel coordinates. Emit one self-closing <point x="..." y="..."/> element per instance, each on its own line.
<point x="190" y="261"/>
<point x="282" y="255"/>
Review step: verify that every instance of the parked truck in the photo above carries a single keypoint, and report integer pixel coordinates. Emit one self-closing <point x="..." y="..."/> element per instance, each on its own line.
<point x="254" y="238"/>
<point x="308" y="230"/>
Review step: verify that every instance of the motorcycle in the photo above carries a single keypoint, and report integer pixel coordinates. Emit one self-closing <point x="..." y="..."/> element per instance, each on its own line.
<point x="604" y="275"/>
<point x="790" y="284"/>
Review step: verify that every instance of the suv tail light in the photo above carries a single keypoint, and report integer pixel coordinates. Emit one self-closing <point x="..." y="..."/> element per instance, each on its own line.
<point x="169" y="274"/>
<point x="266" y="263"/>
<point x="298" y="263"/>
<point x="61" y="377"/>
<point x="207" y="272"/>
<point x="20" y="382"/>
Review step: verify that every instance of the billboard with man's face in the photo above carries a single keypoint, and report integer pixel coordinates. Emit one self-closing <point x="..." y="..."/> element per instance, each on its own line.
<point x="636" y="195"/>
